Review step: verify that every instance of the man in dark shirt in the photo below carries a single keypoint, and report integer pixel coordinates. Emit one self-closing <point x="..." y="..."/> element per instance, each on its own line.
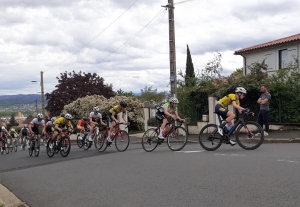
<point x="264" y="102"/>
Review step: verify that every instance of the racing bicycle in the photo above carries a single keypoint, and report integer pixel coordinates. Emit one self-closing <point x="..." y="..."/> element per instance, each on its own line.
<point x="63" y="145"/>
<point x="176" y="137"/>
<point x="245" y="133"/>
<point x="120" y="137"/>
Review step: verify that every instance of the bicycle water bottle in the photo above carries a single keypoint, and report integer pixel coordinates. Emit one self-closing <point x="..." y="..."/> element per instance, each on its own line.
<point x="165" y="132"/>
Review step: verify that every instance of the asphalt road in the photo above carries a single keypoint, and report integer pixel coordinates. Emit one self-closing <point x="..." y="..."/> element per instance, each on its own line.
<point x="230" y="176"/>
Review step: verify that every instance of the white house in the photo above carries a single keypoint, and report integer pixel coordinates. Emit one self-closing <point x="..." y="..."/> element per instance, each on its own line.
<point x="277" y="53"/>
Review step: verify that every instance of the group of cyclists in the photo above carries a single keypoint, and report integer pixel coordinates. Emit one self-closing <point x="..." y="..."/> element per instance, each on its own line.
<point x="54" y="126"/>
<point x="170" y="109"/>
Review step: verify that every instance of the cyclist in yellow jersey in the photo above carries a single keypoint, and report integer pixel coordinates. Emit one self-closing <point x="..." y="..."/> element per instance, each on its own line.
<point x="228" y="116"/>
<point x="60" y="123"/>
<point x="112" y="117"/>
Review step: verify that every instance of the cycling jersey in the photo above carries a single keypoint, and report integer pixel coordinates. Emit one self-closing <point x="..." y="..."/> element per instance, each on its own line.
<point x="49" y="124"/>
<point x="227" y="100"/>
<point x="168" y="106"/>
<point x="95" y="116"/>
<point x="82" y="123"/>
<point x="117" y="109"/>
<point x="36" y="123"/>
<point x="25" y="132"/>
<point x="62" y="123"/>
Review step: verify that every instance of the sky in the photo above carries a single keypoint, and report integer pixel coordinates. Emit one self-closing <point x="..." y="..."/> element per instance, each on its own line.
<point x="127" y="42"/>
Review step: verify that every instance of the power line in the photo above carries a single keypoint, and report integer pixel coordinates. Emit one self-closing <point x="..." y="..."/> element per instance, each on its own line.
<point x="128" y="41"/>
<point x="95" y="36"/>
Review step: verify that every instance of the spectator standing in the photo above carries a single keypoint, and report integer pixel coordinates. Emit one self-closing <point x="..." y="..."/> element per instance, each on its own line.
<point x="264" y="102"/>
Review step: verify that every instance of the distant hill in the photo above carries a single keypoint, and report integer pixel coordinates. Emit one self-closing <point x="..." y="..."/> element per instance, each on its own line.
<point x="8" y="100"/>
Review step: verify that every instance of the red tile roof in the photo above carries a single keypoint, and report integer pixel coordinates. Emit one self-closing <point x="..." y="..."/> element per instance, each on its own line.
<point x="268" y="44"/>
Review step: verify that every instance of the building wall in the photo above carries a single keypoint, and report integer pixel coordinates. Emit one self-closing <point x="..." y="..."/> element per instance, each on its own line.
<point x="271" y="56"/>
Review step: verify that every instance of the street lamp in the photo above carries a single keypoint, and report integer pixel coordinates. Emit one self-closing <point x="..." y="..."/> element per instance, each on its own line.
<point x="42" y="92"/>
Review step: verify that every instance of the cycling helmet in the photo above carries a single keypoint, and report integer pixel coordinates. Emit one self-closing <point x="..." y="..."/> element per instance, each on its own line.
<point x="68" y="116"/>
<point x="53" y="119"/>
<point x="123" y="104"/>
<point x="96" y="108"/>
<point x="173" y="100"/>
<point x="40" y="116"/>
<point x="13" y="130"/>
<point x="25" y="125"/>
<point x="3" y="127"/>
<point x="241" y="90"/>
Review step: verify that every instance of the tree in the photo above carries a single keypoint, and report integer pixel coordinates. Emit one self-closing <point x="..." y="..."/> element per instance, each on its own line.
<point x="72" y="86"/>
<point x="190" y="79"/>
<point x="149" y="94"/>
<point x="12" y="121"/>
<point x="120" y="92"/>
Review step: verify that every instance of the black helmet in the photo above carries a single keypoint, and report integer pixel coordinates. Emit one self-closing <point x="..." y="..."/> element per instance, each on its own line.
<point x="123" y="104"/>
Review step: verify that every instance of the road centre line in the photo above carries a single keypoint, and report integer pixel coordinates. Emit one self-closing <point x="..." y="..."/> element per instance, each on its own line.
<point x="290" y="161"/>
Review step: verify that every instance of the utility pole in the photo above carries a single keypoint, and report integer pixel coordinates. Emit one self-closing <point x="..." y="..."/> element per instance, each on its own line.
<point x="173" y="73"/>
<point x="36" y="107"/>
<point x="42" y="93"/>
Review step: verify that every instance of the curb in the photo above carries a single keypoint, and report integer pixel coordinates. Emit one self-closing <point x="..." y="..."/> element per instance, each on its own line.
<point x="9" y="199"/>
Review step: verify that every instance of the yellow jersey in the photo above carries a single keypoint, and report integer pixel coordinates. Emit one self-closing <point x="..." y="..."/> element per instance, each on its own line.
<point x="117" y="109"/>
<point x="227" y="100"/>
<point x="61" y="122"/>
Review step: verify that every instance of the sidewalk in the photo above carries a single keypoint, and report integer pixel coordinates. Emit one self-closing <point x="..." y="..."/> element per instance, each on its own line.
<point x="284" y="136"/>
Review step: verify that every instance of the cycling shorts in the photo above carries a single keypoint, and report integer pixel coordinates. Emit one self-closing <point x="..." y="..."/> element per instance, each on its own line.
<point x="219" y="109"/>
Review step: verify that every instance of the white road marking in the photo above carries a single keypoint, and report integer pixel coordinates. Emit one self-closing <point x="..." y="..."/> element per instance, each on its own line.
<point x="191" y="151"/>
<point x="236" y="155"/>
<point x="290" y="161"/>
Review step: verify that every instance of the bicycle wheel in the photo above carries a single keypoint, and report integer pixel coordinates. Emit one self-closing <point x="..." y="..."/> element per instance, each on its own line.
<point x="122" y="141"/>
<point x="251" y="136"/>
<point x="65" y="146"/>
<point x="209" y="138"/>
<point x="99" y="141"/>
<point x="30" y="149"/>
<point x="37" y="148"/>
<point x="50" y="148"/>
<point x="177" y="139"/>
<point x="86" y="143"/>
<point x="150" y="140"/>
<point x="79" y="141"/>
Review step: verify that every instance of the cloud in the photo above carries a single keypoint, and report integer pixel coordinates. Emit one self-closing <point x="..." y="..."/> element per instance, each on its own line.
<point x="129" y="47"/>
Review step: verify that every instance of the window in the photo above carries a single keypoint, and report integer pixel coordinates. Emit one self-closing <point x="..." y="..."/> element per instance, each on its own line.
<point x="283" y="58"/>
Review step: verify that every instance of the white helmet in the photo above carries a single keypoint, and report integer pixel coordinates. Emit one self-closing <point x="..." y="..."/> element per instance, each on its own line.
<point x="96" y="108"/>
<point x="13" y="130"/>
<point x="53" y="119"/>
<point x="173" y="100"/>
<point x="68" y="116"/>
<point x="3" y="127"/>
<point x="241" y="90"/>
<point x="40" y="116"/>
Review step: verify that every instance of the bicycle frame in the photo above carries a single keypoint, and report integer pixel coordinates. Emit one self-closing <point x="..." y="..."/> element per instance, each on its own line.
<point x="240" y="121"/>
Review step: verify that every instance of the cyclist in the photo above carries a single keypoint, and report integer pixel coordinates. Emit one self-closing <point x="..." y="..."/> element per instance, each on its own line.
<point x="82" y="125"/>
<point x="112" y="117"/>
<point x="228" y="116"/>
<point x="49" y="128"/>
<point x="60" y="124"/>
<point x="13" y="135"/>
<point x="34" y="127"/>
<point x="94" y="117"/>
<point x="24" y="133"/>
<point x="169" y="109"/>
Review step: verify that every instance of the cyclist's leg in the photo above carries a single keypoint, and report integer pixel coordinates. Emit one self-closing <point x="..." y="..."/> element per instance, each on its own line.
<point x="162" y="119"/>
<point x="113" y="124"/>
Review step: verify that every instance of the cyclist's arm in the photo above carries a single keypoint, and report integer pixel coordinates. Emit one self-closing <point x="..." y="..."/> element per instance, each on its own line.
<point x="177" y="116"/>
<point x="239" y="108"/>
<point x="101" y="121"/>
<point x="29" y="127"/>
<point x="57" y="127"/>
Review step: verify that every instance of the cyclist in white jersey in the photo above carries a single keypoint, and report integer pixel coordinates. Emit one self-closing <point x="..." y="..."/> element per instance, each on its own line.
<point x="94" y="117"/>
<point x="34" y="126"/>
